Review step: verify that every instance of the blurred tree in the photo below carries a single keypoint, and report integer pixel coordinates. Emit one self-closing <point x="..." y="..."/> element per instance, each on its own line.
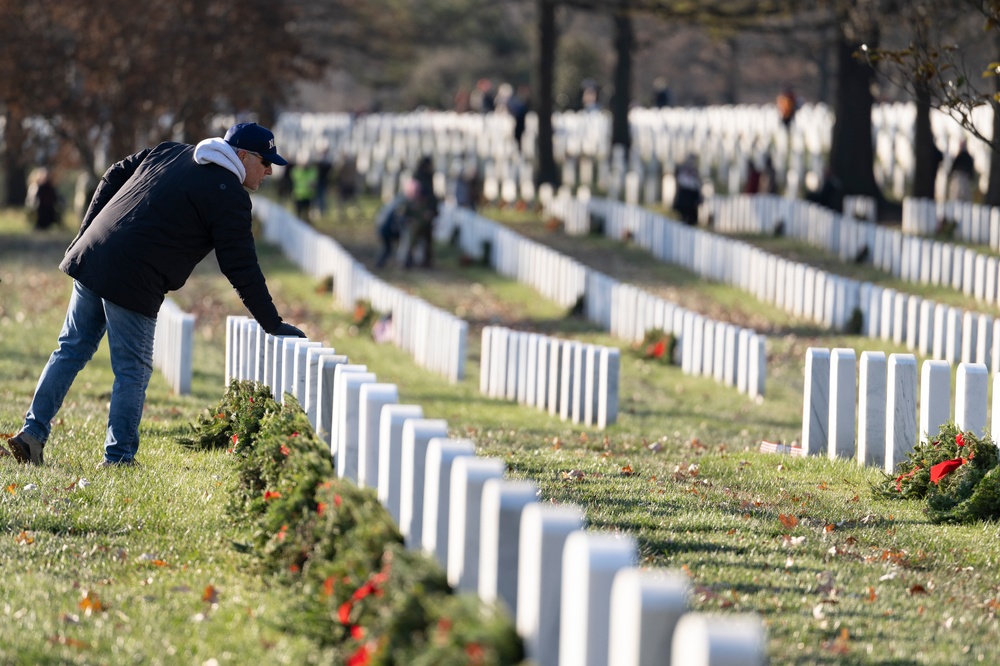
<point x="108" y="78"/>
<point x="941" y="68"/>
<point x="852" y="155"/>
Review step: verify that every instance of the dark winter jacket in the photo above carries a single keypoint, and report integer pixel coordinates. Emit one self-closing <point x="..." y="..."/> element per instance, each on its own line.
<point x="154" y="216"/>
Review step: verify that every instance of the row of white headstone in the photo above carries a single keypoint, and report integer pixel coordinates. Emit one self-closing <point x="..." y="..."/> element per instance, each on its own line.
<point x="173" y="346"/>
<point x="729" y="354"/>
<point x="976" y="223"/>
<point x="941" y="331"/>
<point x="907" y="257"/>
<point x="577" y="596"/>
<point x="723" y="137"/>
<point x="868" y="411"/>
<point x="934" y="329"/>
<point x="435" y="338"/>
<point x="575" y="380"/>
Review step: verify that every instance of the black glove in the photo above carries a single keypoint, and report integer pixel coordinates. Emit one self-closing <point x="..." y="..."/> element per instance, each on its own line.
<point x="287" y="330"/>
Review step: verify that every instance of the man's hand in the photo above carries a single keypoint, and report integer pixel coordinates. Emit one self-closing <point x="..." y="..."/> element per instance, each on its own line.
<point x="287" y="330"/>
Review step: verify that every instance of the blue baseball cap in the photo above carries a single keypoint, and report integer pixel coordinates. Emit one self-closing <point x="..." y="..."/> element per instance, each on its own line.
<point x="256" y="139"/>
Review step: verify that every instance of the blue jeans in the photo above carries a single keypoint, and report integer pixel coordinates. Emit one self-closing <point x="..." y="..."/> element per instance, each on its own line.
<point x="130" y="338"/>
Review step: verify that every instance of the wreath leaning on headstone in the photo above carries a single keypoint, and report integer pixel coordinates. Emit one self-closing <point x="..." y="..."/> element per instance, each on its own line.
<point x="956" y="472"/>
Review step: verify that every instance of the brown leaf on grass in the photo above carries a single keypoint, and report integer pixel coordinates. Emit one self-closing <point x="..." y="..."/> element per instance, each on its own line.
<point x="917" y="589"/>
<point x="69" y="642"/>
<point x="24" y="539"/>
<point x="788" y="520"/>
<point x="829" y="527"/>
<point x="556" y="443"/>
<point x="841" y="644"/>
<point x="210" y="595"/>
<point x="872" y="596"/>
<point x="90" y="604"/>
<point x="850" y="541"/>
<point x="627" y="471"/>
<point x="12" y="488"/>
<point x="573" y="475"/>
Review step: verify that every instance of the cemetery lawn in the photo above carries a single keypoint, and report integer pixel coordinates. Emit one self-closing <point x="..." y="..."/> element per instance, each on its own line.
<point x="140" y="564"/>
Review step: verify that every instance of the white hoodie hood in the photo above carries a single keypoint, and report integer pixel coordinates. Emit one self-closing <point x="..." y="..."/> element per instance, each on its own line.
<point x="217" y="151"/>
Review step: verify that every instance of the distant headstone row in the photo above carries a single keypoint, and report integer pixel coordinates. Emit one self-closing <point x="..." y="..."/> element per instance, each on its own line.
<point x="436" y="339"/>
<point x="881" y="397"/>
<point x="731" y="355"/>
<point x="574" y="380"/>
<point x="724" y="138"/>
<point x="974" y="223"/>
<point x="910" y="258"/>
<point x="577" y="596"/>
<point x="935" y="329"/>
<point x="173" y="346"/>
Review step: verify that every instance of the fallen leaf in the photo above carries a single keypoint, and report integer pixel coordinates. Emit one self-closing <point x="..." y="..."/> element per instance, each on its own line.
<point x="91" y="604"/>
<point x="573" y="475"/>
<point x="788" y="520"/>
<point x="210" y="595"/>
<point x="872" y="596"/>
<point x="70" y="642"/>
<point x="917" y="589"/>
<point x="839" y="645"/>
<point x="12" y="488"/>
<point x="24" y="539"/>
<point x="829" y="527"/>
<point x="627" y="470"/>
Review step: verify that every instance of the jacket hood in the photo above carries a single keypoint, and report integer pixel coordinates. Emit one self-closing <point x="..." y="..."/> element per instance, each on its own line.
<point x="217" y="151"/>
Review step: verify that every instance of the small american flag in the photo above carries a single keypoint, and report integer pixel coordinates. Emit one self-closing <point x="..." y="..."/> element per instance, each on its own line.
<point x="382" y="330"/>
<point x="775" y="447"/>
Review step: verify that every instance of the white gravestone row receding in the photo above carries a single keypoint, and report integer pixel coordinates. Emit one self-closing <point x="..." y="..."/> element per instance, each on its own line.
<point x="436" y="339"/>
<point x="584" y="390"/>
<point x="621" y="309"/>
<point x="492" y="536"/>
<point x="886" y="397"/>
<point x="949" y="333"/>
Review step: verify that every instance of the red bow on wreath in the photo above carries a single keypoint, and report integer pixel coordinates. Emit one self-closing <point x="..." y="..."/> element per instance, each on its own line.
<point x="943" y="469"/>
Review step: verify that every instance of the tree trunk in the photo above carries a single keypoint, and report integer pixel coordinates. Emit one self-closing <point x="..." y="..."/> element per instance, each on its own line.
<point x="730" y="94"/>
<point x="547" y="172"/>
<point x="992" y="197"/>
<point x="927" y="155"/>
<point x="624" y="40"/>
<point x="851" y="153"/>
<point x="993" y="190"/>
<point x="15" y="169"/>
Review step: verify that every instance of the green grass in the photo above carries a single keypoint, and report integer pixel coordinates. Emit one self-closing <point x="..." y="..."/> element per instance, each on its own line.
<point x="855" y="579"/>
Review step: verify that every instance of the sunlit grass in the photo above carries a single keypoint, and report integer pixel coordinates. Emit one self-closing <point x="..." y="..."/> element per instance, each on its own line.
<point x="838" y="574"/>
